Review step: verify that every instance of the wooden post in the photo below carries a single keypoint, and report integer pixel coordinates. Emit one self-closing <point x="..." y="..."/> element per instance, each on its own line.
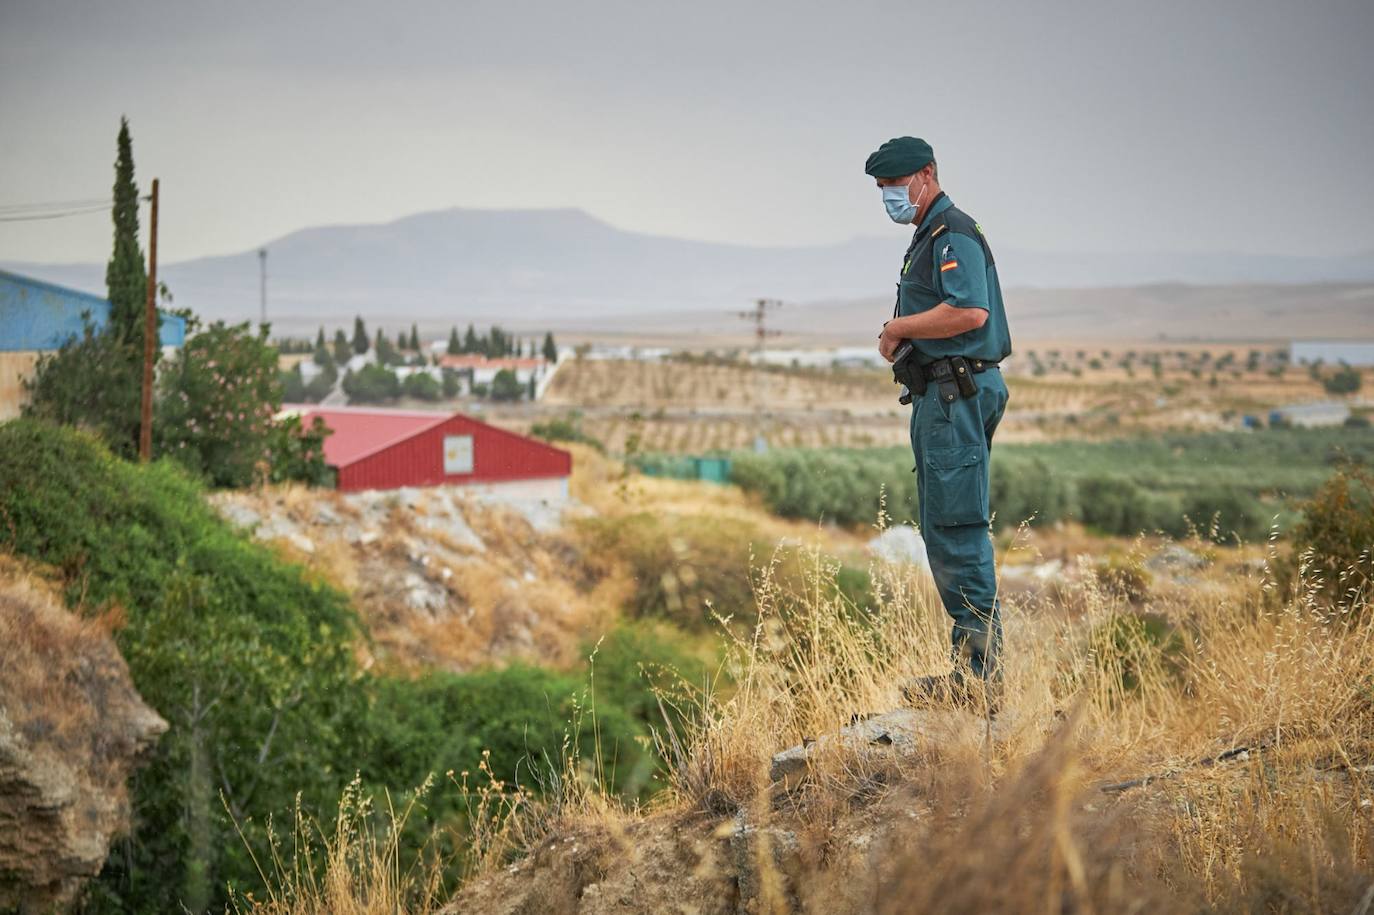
<point x="145" y="432"/>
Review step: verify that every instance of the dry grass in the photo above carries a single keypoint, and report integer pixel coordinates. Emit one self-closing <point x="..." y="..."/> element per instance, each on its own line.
<point x="1008" y="816"/>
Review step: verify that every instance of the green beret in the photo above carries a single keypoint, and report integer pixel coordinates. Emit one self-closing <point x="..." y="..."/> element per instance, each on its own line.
<point x="899" y="156"/>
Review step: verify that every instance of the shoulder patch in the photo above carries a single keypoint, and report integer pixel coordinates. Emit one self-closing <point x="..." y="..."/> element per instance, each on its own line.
<point x="948" y="260"/>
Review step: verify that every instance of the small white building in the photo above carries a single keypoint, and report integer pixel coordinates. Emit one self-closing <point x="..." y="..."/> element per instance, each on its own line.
<point x="1310" y="415"/>
<point x="1332" y="352"/>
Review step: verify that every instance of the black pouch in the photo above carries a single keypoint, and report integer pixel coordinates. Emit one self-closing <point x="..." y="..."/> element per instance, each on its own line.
<point x="943" y="375"/>
<point x="963" y="376"/>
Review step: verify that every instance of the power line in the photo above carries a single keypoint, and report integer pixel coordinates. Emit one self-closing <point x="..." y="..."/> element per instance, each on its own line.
<point x="61" y="214"/>
<point x="53" y="204"/>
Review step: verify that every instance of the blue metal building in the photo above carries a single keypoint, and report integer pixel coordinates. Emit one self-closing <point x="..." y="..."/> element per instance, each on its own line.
<point x="36" y="316"/>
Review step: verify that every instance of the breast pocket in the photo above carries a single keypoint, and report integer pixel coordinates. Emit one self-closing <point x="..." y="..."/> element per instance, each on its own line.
<point x="957" y="485"/>
<point x="915" y="296"/>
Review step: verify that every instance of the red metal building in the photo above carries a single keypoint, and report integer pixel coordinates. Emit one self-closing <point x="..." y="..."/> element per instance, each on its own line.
<point x="387" y="449"/>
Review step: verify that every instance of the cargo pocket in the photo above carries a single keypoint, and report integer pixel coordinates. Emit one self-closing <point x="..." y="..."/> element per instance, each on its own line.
<point x="957" y="485"/>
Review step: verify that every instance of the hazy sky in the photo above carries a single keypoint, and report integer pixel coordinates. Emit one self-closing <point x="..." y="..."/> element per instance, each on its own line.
<point x="1243" y="125"/>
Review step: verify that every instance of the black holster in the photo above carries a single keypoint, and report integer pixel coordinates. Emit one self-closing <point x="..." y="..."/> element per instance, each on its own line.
<point x="907" y="372"/>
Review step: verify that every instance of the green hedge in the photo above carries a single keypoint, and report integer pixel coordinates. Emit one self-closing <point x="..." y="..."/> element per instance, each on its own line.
<point x="1124" y="486"/>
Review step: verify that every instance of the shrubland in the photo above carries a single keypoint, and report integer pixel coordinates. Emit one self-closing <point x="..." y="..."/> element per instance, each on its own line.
<point x="666" y="724"/>
<point x="256" y="663"/>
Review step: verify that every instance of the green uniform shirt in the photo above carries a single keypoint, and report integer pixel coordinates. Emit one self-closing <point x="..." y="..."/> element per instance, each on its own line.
<point x="949" y="261"/>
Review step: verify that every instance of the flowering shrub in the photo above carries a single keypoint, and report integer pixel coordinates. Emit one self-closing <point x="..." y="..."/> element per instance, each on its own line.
<point x="218" y="397"/>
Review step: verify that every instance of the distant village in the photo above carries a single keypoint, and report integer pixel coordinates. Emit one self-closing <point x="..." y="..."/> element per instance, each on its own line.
<point x="377" y="369"/>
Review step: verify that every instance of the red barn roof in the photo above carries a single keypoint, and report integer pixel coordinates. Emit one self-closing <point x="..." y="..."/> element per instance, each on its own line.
<point x="375" y="448"/>
<point x="360" y="431"/>
<point x="468" y="360"/>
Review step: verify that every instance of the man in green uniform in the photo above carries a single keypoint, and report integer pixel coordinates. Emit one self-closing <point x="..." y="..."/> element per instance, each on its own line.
<point x="949" y="307"/>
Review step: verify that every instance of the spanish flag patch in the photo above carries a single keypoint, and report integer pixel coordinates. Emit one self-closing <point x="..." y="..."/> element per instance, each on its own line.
<point x="948" y="265"/>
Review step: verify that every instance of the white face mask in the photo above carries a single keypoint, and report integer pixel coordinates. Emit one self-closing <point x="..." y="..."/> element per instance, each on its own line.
<point x="897" y="200"/>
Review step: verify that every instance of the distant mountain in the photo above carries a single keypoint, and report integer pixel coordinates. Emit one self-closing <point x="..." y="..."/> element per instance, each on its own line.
<point x="535" y="268"/>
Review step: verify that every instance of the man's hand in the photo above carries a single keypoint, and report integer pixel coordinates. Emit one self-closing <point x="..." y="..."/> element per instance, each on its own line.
<point x="887" y="343"/>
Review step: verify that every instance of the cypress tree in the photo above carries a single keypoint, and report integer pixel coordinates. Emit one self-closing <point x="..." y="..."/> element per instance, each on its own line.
<point x="125" y="276"/>
<point x="342" y="348"/>
<point x="470" y="342"/>
<point x="550" y="350"/>
<point x="455" y="346"/>
<point x="414" y="338"/>
<point x="359" y="336"/>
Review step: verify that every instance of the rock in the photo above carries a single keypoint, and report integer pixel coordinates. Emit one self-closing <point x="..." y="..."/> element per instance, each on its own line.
<point x="236" y="514"/>
<point x="1175" y="558"/>
<point x="301" y="542"/>
<point x="276" y="528"/>
<point x="754" y="850"/>
<point x="456" y="527"/>
<point x="895" y="733"/>
<point x="900" y="543"/>
<point x="325" y="514"/>
<point x="421" y="594"/>
<point x="72" y="728"/>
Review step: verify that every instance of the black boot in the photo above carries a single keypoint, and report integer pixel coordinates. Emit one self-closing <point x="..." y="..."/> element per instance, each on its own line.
<point x="955" y="689"/>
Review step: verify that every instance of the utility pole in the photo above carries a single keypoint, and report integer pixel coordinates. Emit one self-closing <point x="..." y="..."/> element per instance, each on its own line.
<point x="759" y="315"/>
<point x="262" y="286"/>
<point x="145" y="430"/>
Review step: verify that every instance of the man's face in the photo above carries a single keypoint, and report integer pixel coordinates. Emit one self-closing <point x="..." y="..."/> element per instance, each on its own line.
<point x="912" y="182"/>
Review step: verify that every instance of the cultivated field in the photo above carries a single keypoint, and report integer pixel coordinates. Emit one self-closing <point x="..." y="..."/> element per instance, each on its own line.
<point x="696" y="404"/>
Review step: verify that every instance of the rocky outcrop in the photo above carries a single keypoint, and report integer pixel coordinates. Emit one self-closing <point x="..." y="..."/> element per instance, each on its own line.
<point x="72" y="727"/>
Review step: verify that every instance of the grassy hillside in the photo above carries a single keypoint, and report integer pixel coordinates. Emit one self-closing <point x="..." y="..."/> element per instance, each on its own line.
<point x="254" y="661"/>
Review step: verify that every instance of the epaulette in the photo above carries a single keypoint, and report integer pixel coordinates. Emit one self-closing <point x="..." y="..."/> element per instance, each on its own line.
<point x="938" y="229"/>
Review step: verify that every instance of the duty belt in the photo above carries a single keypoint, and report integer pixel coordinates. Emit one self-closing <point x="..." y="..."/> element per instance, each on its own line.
<point x="931" y="373"/>
<point x="954" y="374"/>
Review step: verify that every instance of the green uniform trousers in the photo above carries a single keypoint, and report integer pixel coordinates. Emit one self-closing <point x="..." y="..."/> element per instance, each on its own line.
<point x="951" y="442"/>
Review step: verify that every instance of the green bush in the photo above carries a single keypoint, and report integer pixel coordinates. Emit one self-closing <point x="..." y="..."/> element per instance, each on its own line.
<point x="1026" y="488"/>
<point x="566" y="429"/>
<point x="1345" y="380"/>
<point x="1115" y="505"/>
<point x="1337" y="530"/>
<point x="1136" y="648"/>
<point x="371" y="384"/>
<point x="505" y="386"/>
<point x="94" y="382"/>
<point x="522" y="714"/>
<point x="249" y="660"/>
<point x="292" y="385"/>
<point x="421" y="386"/>
<point x="679" y="564"/>
<point x="1221" y="511"/>
<point x="216" y="402"/>
<point x="297" y="453"/>
<point x="839" y="486"/>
